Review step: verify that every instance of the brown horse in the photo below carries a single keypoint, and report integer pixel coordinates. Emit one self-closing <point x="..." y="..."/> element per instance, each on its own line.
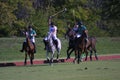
<point x="91" y="45"/>
<point x="29" y="51"/>
<point x="80" y="47"/>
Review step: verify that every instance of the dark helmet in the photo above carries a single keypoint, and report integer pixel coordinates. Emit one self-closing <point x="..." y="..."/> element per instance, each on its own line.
<point x="68" y="23"/>
<point x="80" y="23"/>
<point x="52" y="23"/>
<point x="29" y="26"/>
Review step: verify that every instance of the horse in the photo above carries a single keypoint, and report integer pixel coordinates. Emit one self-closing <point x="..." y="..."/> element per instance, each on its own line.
<point x="51" y="48"/>
<point x="71" y="35"/>
<point x="80" y="47"/>
<point x="91" y="45"/>
<point x="29" y="51"/>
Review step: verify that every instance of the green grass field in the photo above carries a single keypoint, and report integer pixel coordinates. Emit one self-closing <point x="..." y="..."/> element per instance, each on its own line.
<point x="9" y="47"/>
<point x="96" y="70"/>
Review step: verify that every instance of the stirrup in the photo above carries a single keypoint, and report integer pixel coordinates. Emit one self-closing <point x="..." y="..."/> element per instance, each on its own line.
<point x="34" y="51"/>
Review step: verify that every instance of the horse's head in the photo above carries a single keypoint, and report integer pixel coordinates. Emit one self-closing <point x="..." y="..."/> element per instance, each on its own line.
<point x="29" y="45"/>
<point x="49" y="40"/>
<point x="27" y="40"/>
<point x="71" y="34"/>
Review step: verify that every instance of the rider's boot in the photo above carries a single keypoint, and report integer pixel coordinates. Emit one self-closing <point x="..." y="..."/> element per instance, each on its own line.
<point x="23" y="47"/>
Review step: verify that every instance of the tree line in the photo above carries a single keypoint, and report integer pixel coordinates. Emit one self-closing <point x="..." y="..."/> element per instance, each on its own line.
<point x="101" y="17"/>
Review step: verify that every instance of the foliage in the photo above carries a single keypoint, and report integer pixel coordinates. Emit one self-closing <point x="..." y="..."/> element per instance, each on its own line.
<point x="111" y="16"/>
<point x="18" y="14"/>
<point x="6" y="15"/>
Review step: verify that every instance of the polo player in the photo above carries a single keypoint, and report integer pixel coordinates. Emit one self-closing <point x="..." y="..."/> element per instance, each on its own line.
<point x="31" y="35"/>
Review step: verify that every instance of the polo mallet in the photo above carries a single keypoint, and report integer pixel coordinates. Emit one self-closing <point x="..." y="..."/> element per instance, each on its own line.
<point x="65" y="9"/>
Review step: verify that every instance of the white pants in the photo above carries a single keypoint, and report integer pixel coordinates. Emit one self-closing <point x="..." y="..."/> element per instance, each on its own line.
<point x="78" y="35"/>
<point x="54" y="36"/>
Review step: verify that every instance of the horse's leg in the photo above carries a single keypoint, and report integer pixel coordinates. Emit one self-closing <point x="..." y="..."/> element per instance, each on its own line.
<point x="75" y="56"/>
<point x="79" y="57"/>
<point x="57" y="57"/>
<point x="51" y="59"/>
<point x="47" y="56"/>
<point x="86" y="52"/>
<point x="69" y="53"/>
<point x="31" y="58"/>
<point x="95" y="53"/>
<point x="58" y="53"/>
<point x="91" y="54"/>
<point x="25" y="58"/>
<point x="31" y="61"/>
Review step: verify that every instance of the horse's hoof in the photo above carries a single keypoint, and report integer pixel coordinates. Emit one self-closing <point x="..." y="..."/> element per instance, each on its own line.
<point x="73" y="62"/>
<point x="51" y="64"/>
<point x="47" y="60"/>
<point x="78" y="62"/>
<point x="57" y="60"/>
<point x="82" y="60"/>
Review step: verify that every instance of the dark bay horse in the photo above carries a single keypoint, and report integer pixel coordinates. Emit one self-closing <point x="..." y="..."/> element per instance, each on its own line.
<point x="91" y="45"/>
<point x="80" y="47"/>
<point x="29" y="51"/>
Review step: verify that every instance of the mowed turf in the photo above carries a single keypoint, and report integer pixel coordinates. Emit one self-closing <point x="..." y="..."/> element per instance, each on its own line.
<point x="9" y="48"/>
<point x="95" y="70"/>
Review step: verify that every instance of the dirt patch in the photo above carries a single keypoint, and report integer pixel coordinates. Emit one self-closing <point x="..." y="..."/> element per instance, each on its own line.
<point x="36" y="62"/>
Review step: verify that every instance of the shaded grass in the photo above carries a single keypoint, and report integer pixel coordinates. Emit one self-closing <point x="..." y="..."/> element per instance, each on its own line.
<point x="9" y="47"/>
<point x="96" y="70"/>
<point x="108" y="45"/>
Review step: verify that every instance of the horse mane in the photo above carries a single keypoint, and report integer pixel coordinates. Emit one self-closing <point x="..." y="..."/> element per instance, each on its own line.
<point x="30" y="44"/>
